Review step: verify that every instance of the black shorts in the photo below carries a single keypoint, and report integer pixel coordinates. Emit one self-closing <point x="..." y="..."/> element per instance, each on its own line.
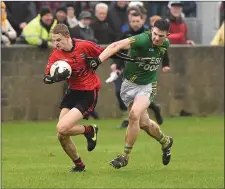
<point x="84" y="101"/>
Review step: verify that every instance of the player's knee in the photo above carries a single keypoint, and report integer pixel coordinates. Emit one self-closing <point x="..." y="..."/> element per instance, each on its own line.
<point x="61" y="129"/>
<point x="133" y="116"/>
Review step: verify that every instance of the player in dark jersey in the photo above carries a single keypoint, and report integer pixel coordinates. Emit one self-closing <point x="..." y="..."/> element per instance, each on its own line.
<point x="81" y="97"/>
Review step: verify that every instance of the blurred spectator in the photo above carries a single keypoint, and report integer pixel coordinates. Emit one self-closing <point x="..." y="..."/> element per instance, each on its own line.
<point x="219" y="37"/>
<point x="20" y="13"/>
<point x="130" y="11"/>
<point x="178" y="28"/>
<point x="83" y="29"/>
<point x="61" y="16"/>
<point x="38" y="31"/>
<point x="136" y="26"/>
<point x="8" y="33"/>
<point x="52" y="5"/>
<point x="189" y="8"/>
<point x="152" y="20"/>
<point x="117" y="15"/>
<point x="71" y="18"/>
<point x="102" y="30"/>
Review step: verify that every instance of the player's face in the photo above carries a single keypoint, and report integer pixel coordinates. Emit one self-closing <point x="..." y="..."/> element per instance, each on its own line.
<point x="59" y="41"/>
<point x="158" y="36"/>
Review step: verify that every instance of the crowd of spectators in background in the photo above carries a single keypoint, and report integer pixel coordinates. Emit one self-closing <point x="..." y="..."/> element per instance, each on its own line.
<point x="101" y="22"/>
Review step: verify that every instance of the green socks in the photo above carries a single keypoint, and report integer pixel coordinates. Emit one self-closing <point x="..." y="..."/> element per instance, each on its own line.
<point x="127" y="150"/>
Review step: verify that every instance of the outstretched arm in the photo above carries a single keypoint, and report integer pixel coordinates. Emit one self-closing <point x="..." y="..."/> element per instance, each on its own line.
<point x="114" y="48"/>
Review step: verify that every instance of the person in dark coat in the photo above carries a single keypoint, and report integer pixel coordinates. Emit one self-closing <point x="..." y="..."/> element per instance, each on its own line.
<point x="19" y="13"/>
<point x="102" y="30"/>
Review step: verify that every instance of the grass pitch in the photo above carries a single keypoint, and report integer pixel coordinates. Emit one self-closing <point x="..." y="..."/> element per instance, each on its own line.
<point x="33" y="158"/>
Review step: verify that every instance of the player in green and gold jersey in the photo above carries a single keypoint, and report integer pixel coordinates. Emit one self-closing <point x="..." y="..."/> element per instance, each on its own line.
<point x="139" y="86"/>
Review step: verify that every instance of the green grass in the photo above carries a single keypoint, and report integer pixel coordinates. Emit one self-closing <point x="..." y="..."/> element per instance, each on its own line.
<point x="33" y="158"/>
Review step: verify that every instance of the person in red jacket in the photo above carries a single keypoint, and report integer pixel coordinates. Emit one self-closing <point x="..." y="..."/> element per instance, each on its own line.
<point x="178" y="28"/>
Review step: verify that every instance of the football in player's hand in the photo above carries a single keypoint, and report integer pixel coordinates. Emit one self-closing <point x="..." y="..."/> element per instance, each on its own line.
<point x="62" y="68"/>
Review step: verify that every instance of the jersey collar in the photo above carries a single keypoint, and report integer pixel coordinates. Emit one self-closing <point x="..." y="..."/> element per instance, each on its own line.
<point x="73" y="42"/>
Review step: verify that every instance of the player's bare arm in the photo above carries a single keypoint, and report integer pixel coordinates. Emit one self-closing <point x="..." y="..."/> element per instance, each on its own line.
<point x="112" y="51"/>
<point x="114" y="48"/>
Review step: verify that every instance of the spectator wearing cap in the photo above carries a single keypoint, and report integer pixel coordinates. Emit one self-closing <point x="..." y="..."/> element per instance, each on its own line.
<point x="38" y="31"/>
<point x="19" y="13"/>
<point x="178" y="28"/>
<point x="71" y="18"/>
<point x="83" y="29"/>
<point x="8" y="33"/>
<point x="102" y="30"/>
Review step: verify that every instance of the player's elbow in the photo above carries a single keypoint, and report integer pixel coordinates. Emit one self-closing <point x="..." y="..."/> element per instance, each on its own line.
<point x="117" y="46"/>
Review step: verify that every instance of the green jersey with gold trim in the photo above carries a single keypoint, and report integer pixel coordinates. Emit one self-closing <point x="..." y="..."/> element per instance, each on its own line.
<point x="143" y="73"/>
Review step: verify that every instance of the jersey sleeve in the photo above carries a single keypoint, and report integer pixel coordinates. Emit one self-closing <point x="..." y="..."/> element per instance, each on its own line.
<point x="139" y="41"/>
<point x="93" y="49"/>
<point x="167" y="43"/>
<point x="51" y="60"/>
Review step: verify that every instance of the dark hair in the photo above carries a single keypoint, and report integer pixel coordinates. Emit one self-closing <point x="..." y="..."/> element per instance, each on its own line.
<point x="137" y="14"/>
<point x="162" y="24"/>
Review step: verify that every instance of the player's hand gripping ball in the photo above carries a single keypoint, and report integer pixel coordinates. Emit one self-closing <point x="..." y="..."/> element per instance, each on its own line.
<point x="60" y="70"/>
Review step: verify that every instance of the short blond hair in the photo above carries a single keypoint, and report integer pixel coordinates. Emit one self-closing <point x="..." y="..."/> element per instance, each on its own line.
<point x="61" y="29"/>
